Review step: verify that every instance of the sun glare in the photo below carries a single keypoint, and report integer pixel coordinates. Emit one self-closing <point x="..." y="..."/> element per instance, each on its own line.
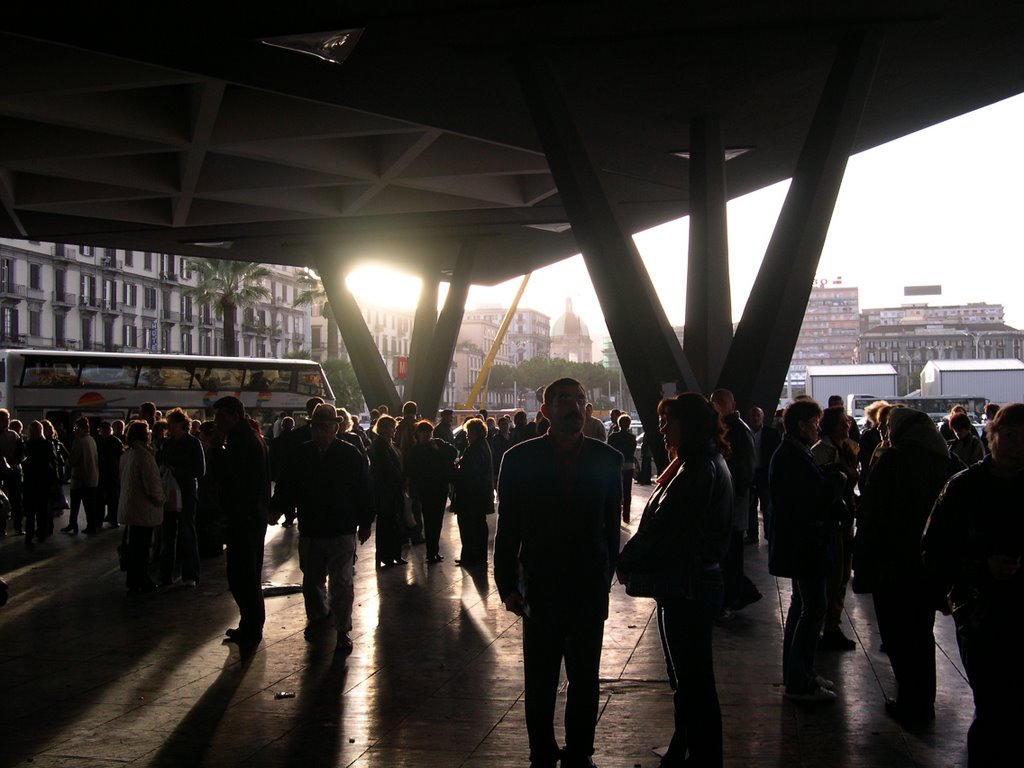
<point x="383" y="287"/>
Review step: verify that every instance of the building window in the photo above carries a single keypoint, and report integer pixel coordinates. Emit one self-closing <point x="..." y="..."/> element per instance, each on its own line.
<point x="35" y="322"/>
<point x="149" y="298"/>
<point x="129" y="258"/>
<point x="60" y="329"/>
<point x="7" y="275"/>
<point x="130" y="336"/>
<point x="186" y="343"/>
<point x="88" y="286"/>
<point x="108" y="335"/>
<point x="35" y="276"/>
<point x="9" y="323"/>
<point x="59" y="284"/>
<point x="86" y="250"/>
<point x="110" y="294"/>
<point x="87" y="332"/>
<point x="129" y="294"/>
<point x="165" y="339"/>
<point x="147" y="261"/>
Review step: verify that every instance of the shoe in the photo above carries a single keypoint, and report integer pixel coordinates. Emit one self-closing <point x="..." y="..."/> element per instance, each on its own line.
<point x="231" y="633"/>
<point x="400" y="561"/>
<point x="909" y="718"/>
<point x="818" y="696"/>
<point x="242" y="638"/>
<point x="576" y="761"/>
<point x="17" y="532"/>
<point x="89" y="531"/>
<point x="747" y="599"/>
<point x="835" y="640"/>
<point x="435" y="559"/>
<point x="344" y="646"/>
<point x="825" y="683"/>
<point x="625" y="519"/>
<point x="286" y="524"/>
<point x="65" y="529"/>
<point x="189" y="583"/>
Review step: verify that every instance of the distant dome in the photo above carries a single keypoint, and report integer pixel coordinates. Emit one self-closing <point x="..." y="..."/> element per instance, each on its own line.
<point x="570" y="324"/>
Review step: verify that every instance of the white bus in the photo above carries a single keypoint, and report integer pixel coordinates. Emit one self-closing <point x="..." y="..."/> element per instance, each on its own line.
<point x="61" y="386"/>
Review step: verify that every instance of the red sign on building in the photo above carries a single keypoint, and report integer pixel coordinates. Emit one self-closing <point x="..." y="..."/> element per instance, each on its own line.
<point x="401" y="366"/>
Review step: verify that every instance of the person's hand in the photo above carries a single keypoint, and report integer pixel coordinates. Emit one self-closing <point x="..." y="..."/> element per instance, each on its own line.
<point x="1003" y="567"/>
<point x="364" y="533"/>
<point x="515" y="603"/>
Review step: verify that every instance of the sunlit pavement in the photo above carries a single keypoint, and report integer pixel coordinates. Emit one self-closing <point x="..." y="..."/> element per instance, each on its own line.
<point x="92" y="677"/>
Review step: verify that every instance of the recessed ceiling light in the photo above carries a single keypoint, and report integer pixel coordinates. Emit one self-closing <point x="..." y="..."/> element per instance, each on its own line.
<point x="326" y="46"/>
<point x="730" y="152"/>
<point x="558" y="227"/>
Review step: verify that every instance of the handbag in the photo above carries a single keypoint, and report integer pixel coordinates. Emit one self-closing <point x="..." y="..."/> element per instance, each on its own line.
<point x="172" y="491"/>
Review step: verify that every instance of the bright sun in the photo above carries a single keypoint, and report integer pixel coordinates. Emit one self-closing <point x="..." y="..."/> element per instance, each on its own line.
<point x="383" y="287"/>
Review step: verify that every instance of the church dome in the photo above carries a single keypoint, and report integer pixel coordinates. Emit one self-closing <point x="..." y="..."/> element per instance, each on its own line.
<point x="570" y="324"/>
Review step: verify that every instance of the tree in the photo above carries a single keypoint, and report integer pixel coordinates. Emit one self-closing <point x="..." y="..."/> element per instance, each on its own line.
<point x="342" y="378"/>
<point x="228" y="285"/>
<point x="311" y="292"/>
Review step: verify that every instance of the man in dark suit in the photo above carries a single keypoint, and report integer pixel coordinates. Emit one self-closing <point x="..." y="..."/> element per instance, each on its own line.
<point x="554" y="556"/>
<point x="766" y="440"/>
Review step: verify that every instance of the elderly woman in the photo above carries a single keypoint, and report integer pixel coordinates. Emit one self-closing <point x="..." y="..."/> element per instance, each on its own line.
<point x="40" y="483"/>
<point x="974" y="543"/>
<point x="897" y="500"/>
<point x="674" y="557"/>
<point x="474" y="494"/>
<point x="141" y="504"/>
<point x="388" y="493"/>
<point x="798" y="546"/>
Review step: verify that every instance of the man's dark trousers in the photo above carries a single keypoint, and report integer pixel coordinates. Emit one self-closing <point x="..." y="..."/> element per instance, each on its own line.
<point x="545" y="641"/>
<point x="245" y="575"/>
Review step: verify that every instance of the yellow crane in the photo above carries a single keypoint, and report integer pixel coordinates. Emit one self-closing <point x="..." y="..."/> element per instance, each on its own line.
<point x="493" y="352"/>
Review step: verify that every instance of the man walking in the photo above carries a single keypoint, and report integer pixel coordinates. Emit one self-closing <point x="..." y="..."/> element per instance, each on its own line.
<point x="238" y="463"/>
<point x="183" y="455"/>
<point x="330" y="486"/>
<point x="555" y="550"/>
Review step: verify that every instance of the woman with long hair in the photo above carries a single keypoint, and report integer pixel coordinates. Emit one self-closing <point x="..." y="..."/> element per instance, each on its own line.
<point x="674" y="557"/>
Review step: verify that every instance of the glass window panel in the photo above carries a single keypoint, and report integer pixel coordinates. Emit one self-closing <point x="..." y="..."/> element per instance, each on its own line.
<point x="50" y="374"/>
<point x="165" y="377"/>
<point x="113" y="376"/>
<point x="268" y="380"/>
<point x="311" y="383"/>
<point x="219" y="377"/>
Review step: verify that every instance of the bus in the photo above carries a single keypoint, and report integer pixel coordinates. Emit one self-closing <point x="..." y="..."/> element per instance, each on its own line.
<point x="938" y="407"/>
<point x="62" y="386"/>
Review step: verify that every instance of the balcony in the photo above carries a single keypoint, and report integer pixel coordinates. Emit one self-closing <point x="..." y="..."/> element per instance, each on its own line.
<point x="65" y="344"/>
<point x="89" y="303"/>
<point x="61" y="299"/>
<point x="109" y="306"/>
<point x="12" y="291"/>
<point x="206" y="321"/>
<point x="63" y="252"/>
<point x="171" y="277"/>
<point x="169" y="316"/>
<point x="149" y="311"/>
<point x="187" y="318"/>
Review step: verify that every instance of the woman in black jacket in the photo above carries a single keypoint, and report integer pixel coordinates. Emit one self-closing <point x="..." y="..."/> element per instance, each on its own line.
<point x="388" y="493"/>
<point x="674" y="557"/>
<point x="474" y="494"/>
<point x="40" y="483"/>
<point x="798" y="546"/>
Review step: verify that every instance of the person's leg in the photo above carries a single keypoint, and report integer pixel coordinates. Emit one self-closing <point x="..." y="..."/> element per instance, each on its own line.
<point x="687" y="627"/>
<point x="313" y="560"/>
<point x="732" y="569"/>
<point x="341" y="570"/>
<point x="139" y="539"/>
<point x="838" y="578"/>
<point x="627" y="493"/>
<point x="245" y="574"/>
<point x="582" y="671"/>
<point x="542" y="660"/>
<point x="93" y="511"/>
<point x="168" y="546"/>
<point x="75" y="503"/>
<point x="433" y="519"/>
<point x="801" y="677"/>
<point x="188" y="543"/>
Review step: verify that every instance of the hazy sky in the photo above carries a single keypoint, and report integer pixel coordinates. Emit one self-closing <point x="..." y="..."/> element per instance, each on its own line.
<point x="943" y="206"/>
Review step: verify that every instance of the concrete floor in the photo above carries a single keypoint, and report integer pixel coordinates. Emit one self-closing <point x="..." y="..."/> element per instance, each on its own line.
<point x="91" y="677"/>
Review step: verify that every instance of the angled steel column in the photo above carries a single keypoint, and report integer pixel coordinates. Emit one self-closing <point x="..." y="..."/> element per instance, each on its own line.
<point x="374" y="380"/>
<point x="422" y="335"/>
<point x="644" y="341"/>
<point x="759" y="357"/>
<point x="708" y="331"/>
<point x="433" y="371"/>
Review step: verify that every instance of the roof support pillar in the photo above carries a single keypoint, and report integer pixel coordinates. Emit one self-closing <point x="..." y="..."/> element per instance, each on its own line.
<point x="374" y="379"/>
<point x="644" y="341"/>
<point x="708" y="330"/>
<point x="755" y="368"/>
<point x="432" y="370"/>
<point x="422" y="334"/>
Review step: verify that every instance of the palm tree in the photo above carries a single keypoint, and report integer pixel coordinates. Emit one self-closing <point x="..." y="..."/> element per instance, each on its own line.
<point x="228" y="285"/>
<point x="310" y="291"/>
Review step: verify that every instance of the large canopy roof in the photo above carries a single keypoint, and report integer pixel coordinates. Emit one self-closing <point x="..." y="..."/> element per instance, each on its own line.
<point x="186" y="133"/>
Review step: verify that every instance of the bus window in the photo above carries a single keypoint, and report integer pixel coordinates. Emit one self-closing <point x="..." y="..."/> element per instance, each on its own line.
<point x="49" y="374"/>
<point x="311" y="383"/>
<point x="219" y="378"/>
<point x="268" y="380"/>
<point x="164" y="377"/>
<point x="112" y="376"/>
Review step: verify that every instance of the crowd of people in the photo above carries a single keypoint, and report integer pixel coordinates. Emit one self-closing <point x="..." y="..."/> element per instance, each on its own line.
<point x="920" y="517"/>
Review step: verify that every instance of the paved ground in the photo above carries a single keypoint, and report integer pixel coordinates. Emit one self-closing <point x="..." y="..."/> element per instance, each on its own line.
<point x="91" y="677"/>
